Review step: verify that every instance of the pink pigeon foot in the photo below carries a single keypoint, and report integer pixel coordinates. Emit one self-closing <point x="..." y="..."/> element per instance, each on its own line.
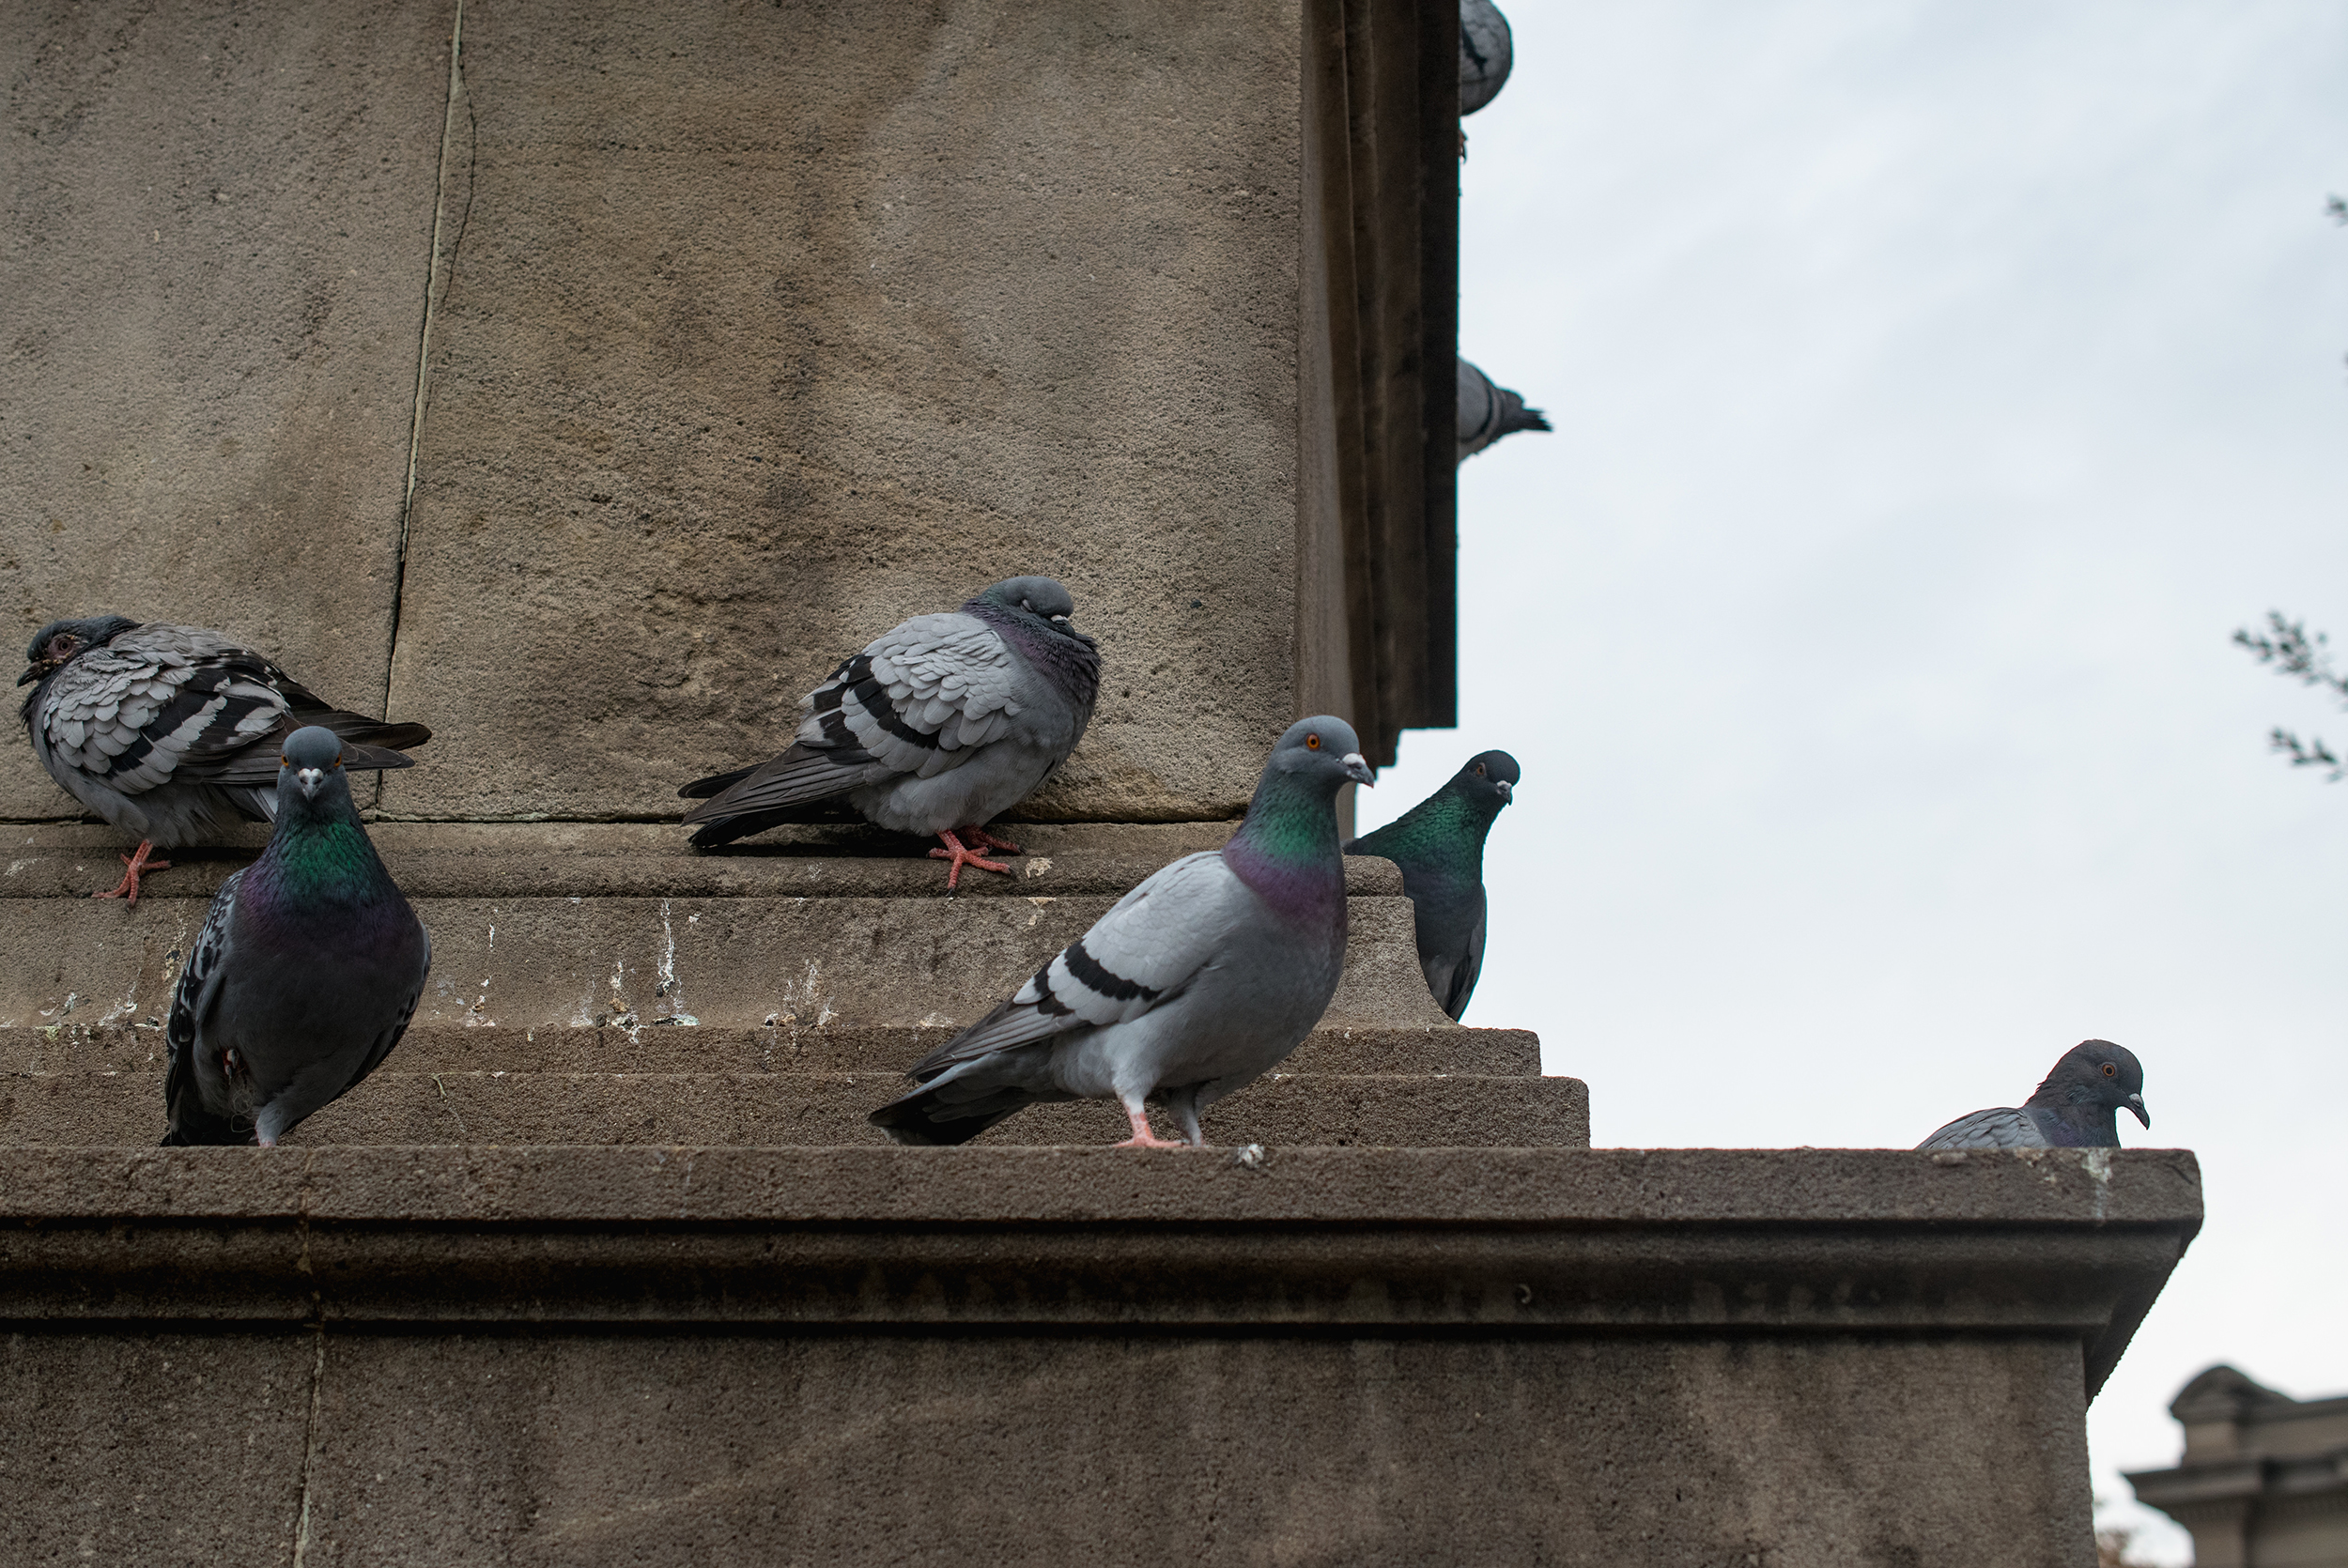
<point x="128" y="886"/>
<point x="1143" y="1138"/>
<point x="986" y="841"/>
<point x="961" y="857"/>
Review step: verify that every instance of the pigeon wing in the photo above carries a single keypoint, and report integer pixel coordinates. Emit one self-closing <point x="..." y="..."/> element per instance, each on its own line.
<point x="191" y="1003"/>
<point x="1150" y="946"/>
<point x="2002" y="1128"/>
<point x="159" y="703"/>
<point x="390" y="1037"/>
<point x="1464" y="974"/>
<point x="919" y="701"/>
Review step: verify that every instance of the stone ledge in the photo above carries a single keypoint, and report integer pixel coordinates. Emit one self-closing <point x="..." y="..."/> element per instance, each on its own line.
<point x="796" y="1108"/>
<point x="1516" y="1241"/>
<point x="779" y="1048"/>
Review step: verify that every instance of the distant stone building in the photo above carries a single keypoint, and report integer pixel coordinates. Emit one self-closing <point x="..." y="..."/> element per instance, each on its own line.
<point x="2263" y="1483"/>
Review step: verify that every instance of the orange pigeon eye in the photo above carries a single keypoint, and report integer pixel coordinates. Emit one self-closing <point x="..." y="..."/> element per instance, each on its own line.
<point x="2111" y="1069"/>
<point x="1312" y="743"/>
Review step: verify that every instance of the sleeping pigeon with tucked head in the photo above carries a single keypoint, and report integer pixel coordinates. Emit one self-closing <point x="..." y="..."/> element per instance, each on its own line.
<point x="2077" y="1107"/>
<point x="1195" y="984"/>
<point x="1438" y="843"/>
<point x="1487" y="412"/>
<point x="934" y="729"/>
<point x="307" y="971"/>
<point x="172" y="733"/>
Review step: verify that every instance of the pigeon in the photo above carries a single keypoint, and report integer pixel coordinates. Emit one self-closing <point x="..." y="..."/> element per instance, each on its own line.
<point x="172" y="733"/>
<point x="1195" y="984"/>
<point x="1438" y="843"/>
<point x="1485" y="52"/>
<point x="1487" y="412"/>
<point x="934" y="729"/>
<point x="306" y="974"/>
<point x="2077" y="1107"/>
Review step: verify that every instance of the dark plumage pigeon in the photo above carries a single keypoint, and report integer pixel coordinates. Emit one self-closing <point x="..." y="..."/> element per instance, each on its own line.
<point x="1197" y="982"/>
<point x="306" y="974"/>
<point x="2077" y="1107"/>
<point x="1487" y="412"/>
<point x="1438" y="843"/>
<point x="172" y="733"/>
<point x="934" y="729"/>
<point x="1487" y="51"/>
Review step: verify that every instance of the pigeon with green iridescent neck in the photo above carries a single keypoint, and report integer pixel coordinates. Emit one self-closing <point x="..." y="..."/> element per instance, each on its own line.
<point x="1438" y="843"/>
<point x="2077" y="1107"/>
<point x="933" y="729"/>
<point x="1197" y="983"/>
<point x="307" y="971"/>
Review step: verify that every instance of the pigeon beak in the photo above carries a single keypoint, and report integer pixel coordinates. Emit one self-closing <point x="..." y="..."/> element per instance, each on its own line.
<point x="2136" y="1103"/>
<point x="1359" y="771"/>
<point x="311" y="780"/>
<point x="1507" y="790"/>
<point x="32" y="674"/>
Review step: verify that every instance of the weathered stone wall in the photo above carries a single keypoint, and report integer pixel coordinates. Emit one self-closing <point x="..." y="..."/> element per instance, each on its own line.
<point x="751" y="331"/>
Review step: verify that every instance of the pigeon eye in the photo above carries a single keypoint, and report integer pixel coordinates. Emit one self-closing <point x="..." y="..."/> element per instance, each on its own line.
<point x="1479" y="770"/>
<point x="1312" y="743"/>
<point x="2111" y="1069"/>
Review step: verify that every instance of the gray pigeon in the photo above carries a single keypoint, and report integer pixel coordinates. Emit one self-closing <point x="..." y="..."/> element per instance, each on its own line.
<point x="306" y="972"/>
<point x="172" y="733"/>
<point x="1487" y="412"/>
<point x="1438" y="843"/>
<point x="934" y="729"/>
<point x="1195" y="984"/>
<point x="1487" y="51"/>
<point x="2077" y="1107"/>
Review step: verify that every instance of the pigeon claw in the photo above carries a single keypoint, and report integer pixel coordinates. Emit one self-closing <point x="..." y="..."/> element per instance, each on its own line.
<point x="139" y="865"/>
<point x="961" y="857"/>
<point x="1143" y="1138"/>
<point x="981" y="838"/>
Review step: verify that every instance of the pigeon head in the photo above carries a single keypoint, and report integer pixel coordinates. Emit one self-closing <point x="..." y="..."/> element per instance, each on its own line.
<point x="1041" y="600"/>
<point x="1489" y="778"/>
<point x="1321" y="752"/>
<point x="2096" y="1073"/>
<point x="59" y="641"/>
<point x="310" y="768"/>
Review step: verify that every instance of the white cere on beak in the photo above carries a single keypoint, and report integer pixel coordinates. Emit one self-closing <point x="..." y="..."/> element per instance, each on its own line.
<point x="1059" y="620"/>
<point x="1358" y="767"/>
<point x="311" y="780"/>
<point x="1504" y="787"/>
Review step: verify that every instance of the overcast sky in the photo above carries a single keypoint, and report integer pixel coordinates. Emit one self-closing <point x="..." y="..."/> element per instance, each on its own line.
<point x="1938" y="385"/>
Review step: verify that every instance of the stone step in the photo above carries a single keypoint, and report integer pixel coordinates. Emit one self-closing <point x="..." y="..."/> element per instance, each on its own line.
<point x="793" y="937"/>
<point x="803" y="1108"/>
<point x="457" y="1048"/>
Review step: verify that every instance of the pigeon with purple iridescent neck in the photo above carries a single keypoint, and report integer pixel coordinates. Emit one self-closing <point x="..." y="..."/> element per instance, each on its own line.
<point x="172" y="733"/>
<point x="306" y="974"/>
<point x="1197" y="982"/>
<point x="2079" y="1106"/>
<point x="1438" y="843"/>
<point x="934" y="729"/>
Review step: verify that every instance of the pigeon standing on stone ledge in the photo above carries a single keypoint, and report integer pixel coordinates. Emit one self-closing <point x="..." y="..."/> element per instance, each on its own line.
<point x="1438" y="843"/>
<point x="2079" y="1106"/>
<point x="936" y="728"/>
<point x="172" y="733"/>
<point x="1487" y="412"/>
<point x="307" y="971"/>
<point x="1195" y="984"/>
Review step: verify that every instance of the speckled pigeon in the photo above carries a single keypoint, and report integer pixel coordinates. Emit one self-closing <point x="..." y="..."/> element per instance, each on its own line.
<point x="1196" y="983"/>
<point x="2077" y="1107"/>
<point x="172" y="733"/>
<point x="1487" y="412"/>
<point x="306" y="972"/>
<point x="1487" y="50"/>
<point x="1438" y="843"/>
<point x="934" y="729"/>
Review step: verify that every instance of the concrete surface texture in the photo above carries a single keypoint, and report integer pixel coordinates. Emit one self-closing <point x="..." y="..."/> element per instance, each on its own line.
<point x="1055" y="1355"/>
<point x="2264" y="1480"/>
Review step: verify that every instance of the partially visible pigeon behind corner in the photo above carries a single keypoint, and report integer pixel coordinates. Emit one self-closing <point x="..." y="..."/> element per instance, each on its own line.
<point x="1439" y="844"/>
<point x="1487" y="412"/>
<point x="2077" y="1106"/>
<point x="1487" y="51"/>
